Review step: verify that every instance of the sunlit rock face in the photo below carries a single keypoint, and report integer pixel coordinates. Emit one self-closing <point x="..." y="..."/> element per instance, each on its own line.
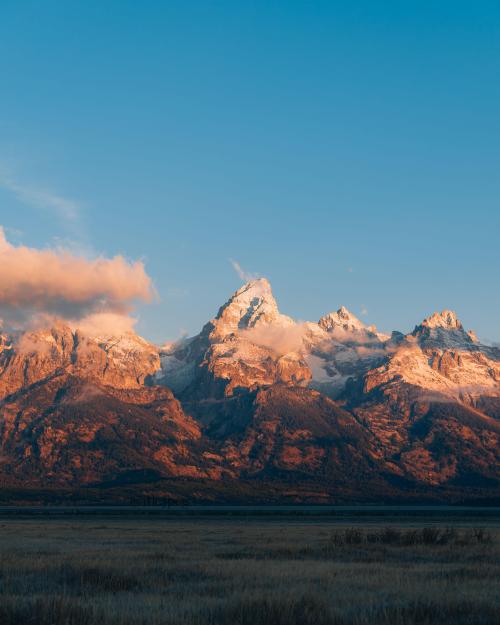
<point x="78" y="410"/>
<point x="434" y="402"/>
<point x="124" y="361"/>
<point x="34" y="356"/>
<point x="439" y="356"/>
<point x="70" y="432"/>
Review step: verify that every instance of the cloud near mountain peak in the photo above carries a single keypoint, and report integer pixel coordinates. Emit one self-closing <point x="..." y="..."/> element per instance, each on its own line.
<point x="36" y="282"/>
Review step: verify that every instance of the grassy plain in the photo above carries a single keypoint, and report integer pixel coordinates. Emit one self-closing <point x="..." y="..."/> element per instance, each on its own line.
<point x="139" y="571"/>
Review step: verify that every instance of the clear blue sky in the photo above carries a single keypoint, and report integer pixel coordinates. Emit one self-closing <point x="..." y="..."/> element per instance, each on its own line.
<point x="349" y="151"/>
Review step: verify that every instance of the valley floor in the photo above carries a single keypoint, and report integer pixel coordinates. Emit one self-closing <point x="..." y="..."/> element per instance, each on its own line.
<point x="254" y="571"/>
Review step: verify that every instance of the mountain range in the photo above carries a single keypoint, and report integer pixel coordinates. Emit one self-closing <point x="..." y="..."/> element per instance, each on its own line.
<point x="255" y="408"/>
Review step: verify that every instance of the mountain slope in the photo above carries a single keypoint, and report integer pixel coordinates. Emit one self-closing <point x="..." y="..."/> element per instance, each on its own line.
<point x="72" y="432"/>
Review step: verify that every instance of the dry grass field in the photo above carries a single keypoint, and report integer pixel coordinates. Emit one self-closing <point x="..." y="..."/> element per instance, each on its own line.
<point x="110" y="571"/>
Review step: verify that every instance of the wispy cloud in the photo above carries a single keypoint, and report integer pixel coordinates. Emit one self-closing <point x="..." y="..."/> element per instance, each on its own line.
<point x="40" y="198"/>
<point x="242" y="274"/>
<point x="364" y="310"/>
<point x="67" y="212"/>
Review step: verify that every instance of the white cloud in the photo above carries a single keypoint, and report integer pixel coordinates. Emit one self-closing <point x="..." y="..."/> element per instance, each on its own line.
<point x="38" y="284"/>
<point x="281" y="339"/>
<point x="104" y="324"/>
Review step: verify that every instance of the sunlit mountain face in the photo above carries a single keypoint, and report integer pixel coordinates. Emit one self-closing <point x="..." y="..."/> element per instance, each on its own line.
<point x="256" y="407"/>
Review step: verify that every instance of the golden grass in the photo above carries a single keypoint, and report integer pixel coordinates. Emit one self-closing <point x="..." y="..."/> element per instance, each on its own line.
<point x="232" y="572"/>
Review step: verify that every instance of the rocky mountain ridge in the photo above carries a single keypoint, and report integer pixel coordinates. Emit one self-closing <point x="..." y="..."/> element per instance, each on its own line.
<point x="256" y="403"/>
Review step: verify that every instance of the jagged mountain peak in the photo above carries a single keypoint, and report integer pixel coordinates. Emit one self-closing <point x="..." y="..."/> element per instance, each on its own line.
<point x="258" y="287"/>
<point x="444" y="330"/>
<point x="252" y="295"/>
<point x="344" y="313"/>
<point x="341" y="319"/>
<point x="446" y="319"/>
<point x="253" y="304"/>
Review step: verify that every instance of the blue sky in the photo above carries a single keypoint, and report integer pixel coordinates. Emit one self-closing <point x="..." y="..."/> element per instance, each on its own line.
<point x="350" y="152"/>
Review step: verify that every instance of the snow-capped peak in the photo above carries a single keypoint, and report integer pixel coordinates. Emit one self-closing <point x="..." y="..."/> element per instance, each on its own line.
<point x="444" y="330"/>
<point x="251" y="305"/>
<point x="259" y="287"/>
<point x="254" y="295"/>
<point x="342" y="319"/>
<point x="446" y="319"/>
